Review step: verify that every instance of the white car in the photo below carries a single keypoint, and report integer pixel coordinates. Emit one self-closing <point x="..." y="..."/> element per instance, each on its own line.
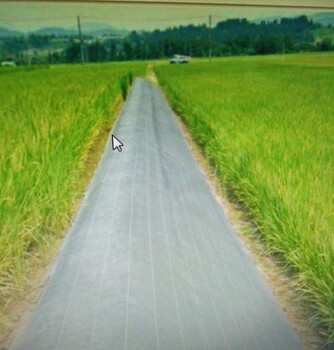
<point x="179" y="59"/>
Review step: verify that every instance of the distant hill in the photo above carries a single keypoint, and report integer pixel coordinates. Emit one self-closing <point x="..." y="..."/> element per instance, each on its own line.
<point x="100" y="29"/>
<point x="57" y="31"/>
<point x="94" y="29"/>
<point x="4" y="32"/>
<point x="324" y="18"/>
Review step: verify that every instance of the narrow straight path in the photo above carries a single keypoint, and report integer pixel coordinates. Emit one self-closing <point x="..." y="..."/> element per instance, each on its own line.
<point x="151" y="261"/>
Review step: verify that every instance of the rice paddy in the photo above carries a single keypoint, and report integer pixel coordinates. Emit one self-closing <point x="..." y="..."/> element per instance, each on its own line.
<point x="267" y="126"/>
<point x="51" y="120"/>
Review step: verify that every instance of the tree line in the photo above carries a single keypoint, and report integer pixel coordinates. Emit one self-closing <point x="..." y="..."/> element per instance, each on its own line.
<point x="228" y="38"/>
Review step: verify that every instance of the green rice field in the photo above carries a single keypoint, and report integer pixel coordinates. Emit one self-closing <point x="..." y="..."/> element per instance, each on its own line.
<point x="50" y="122"/>
<point x="267" y="125"/>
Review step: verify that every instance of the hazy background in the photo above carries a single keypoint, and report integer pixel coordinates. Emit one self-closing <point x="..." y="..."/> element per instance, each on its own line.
<point x="29" y="16"/>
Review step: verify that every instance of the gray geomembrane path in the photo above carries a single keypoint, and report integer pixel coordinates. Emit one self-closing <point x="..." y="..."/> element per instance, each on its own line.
<point x="151" y="261"/>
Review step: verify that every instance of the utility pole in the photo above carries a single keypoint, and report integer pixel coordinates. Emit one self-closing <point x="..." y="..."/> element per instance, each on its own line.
<point x="210" y="34"/>
<point x="81" y="41"/>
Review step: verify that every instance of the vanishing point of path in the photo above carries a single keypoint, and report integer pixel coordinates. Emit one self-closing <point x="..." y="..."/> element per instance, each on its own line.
<point x="151" y="261"/>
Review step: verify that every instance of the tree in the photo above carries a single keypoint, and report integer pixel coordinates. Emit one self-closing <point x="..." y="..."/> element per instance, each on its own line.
<point x="54" y="57"/>
<point x="267" y="45"/>
<point x="73" y="53"/>
<point x="325" y="45"/>
<point x="112" y="52"/>
<point x="128" y="51"/>
<point x="96" y="52"/>
<point x="288" y="44"/>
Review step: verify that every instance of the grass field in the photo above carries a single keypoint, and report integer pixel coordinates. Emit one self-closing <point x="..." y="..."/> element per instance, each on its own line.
<point x="51" y="120"/>
<point x="267" y="125"/>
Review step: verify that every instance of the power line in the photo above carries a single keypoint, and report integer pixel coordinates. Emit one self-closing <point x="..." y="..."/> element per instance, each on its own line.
<point x="189" y="3"/>
<point x="34" y="19"/>
<point x="147" y="18"/>
<point x="105" y="18"/>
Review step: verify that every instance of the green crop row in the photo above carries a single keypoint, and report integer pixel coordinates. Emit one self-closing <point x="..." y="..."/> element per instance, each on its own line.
<point x="267" y="125"/>
<point x="49" y="121"/>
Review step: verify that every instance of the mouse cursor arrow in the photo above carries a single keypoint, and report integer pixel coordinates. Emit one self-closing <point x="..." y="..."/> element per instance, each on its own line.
<point x="116" y="143"/>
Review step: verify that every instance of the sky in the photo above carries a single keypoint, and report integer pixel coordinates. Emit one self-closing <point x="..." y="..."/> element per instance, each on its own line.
<point x="32" y="15"/>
